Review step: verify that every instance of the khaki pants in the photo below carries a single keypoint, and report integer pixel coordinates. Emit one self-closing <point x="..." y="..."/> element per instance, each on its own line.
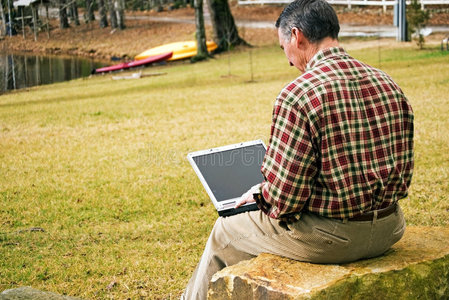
<point x="311" y="239"/>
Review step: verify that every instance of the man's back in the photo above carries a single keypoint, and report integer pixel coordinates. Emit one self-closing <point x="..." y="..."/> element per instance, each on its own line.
<point x="350" y="128"/>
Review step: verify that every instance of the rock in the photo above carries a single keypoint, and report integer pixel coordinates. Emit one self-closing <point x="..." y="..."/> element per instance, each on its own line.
<point x="417" y="267"/>
<point x="28" y="293"/>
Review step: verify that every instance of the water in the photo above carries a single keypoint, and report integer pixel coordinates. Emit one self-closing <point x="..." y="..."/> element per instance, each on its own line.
<point x="21" y="71"/>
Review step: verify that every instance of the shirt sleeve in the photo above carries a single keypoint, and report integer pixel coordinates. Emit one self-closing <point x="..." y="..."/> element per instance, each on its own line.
<point x="290" y="163"/>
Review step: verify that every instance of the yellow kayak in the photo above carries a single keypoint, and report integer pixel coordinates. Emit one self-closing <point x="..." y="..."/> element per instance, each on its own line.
<point x="180" y="50"/>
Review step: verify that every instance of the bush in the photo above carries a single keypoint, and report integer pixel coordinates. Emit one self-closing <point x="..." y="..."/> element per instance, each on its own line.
<point x="417" y="20"/>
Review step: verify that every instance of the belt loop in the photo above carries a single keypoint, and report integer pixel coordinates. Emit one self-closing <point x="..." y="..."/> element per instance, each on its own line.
<point x="374" y="217"/>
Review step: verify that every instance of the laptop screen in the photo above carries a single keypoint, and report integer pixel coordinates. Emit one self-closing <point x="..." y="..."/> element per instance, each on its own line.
<point x="231" y="173"/>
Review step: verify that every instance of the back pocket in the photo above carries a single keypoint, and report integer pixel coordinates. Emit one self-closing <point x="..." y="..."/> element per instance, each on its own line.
<point x="330" y="238"/>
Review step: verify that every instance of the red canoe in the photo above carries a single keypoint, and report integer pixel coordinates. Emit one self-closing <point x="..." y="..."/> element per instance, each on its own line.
<point x="135" y="63"/>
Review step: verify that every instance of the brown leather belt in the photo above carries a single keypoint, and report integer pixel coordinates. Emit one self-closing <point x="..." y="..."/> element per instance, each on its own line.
<point x="381" y="213"/>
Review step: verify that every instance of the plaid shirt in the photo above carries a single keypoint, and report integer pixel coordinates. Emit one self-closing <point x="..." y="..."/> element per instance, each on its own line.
<point x="341" y="141"/>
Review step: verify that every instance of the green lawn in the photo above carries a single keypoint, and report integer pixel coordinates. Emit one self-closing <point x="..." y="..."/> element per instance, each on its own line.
<point x="100" y="166"/>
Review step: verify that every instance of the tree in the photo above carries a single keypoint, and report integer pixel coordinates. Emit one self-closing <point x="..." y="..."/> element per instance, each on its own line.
<point x="102" y="13"/>
<point x="112" y="14"/>
<point x="74" y="13"/>
<point x="89" y="16"/>
<point x="417" y="20"/>
<point x="63" y="20"/>
<point x="200" y="32"/>
<point x="2" y="15"/>
<point x="225" y="31"/>
<point x="120" y="7"/>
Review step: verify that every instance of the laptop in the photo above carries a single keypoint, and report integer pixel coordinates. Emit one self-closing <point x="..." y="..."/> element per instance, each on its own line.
<point x="228" y="172"/>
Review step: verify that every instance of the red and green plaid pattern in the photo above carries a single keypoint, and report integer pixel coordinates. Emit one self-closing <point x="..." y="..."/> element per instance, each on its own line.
<point x="341" y="141"/>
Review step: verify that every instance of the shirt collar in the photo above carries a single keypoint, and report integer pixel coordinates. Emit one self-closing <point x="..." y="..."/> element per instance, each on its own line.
<point x="323" y="55"/>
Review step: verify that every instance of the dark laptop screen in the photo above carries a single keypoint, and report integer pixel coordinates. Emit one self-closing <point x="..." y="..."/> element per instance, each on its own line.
<point x="231" y="173"/>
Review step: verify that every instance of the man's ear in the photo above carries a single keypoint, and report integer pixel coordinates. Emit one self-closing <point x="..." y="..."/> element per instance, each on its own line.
<point x="297" y="36"/>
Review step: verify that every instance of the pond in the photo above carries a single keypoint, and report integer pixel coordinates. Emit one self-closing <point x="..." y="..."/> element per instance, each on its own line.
<point x="20" y="71"/>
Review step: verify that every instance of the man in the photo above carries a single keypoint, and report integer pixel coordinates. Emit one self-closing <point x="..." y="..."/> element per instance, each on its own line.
<point x="340" y="157"/>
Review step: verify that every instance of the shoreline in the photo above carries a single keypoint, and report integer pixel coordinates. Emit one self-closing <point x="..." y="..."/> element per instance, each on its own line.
<point x="101" y="44"/>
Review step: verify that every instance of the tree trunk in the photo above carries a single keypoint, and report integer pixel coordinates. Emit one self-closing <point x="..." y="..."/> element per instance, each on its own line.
<point x="2" y="15"/>
<point x="63" y="20"/>
<point x="89" y="16"/>
<point x="75" y="17"/>
<point x="112" y="14"/>
<point x="102" y="13"/>
<point x="225" y="32"/>
<point x="120" y="7"/>
<point x="22" y="8"/>
<point x="47" y="22"/>
<point x="200" y="32"/>
<point x="35" y="20"/>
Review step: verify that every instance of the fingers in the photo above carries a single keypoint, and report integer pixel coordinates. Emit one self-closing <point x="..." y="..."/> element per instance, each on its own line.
<point x="241" y="201"/>
<point x="246" y="198"/>
<point x="238" y="204"/>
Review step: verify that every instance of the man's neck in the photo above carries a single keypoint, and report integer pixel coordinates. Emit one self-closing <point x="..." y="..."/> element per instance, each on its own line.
<point x="308" y="50"/>
<point x="327" y="43"/>
<point x="324" y="44"/>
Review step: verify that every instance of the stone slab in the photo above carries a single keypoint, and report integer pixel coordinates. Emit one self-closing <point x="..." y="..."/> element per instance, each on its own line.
<point x="417" y="267"/>
<point x="28" y="293"/>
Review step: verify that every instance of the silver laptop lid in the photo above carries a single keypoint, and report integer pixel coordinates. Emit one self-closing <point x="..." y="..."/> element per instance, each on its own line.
<point x="228" y="172"/>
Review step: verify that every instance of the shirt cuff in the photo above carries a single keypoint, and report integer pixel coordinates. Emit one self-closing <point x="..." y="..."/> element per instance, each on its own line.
<point x="260" y="200"/>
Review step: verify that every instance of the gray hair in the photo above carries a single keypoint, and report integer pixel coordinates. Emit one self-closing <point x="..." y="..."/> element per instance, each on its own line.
<point x="315" y="18"/>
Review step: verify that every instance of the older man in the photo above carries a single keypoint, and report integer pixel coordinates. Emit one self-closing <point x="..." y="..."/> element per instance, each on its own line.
<point x="340" y="157"/>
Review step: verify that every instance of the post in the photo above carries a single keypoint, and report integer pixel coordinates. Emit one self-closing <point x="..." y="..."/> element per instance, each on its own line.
<point x="400" y="21"/>
<point x="25" y="63"/>
<point x="38" y="70"/>
<point x="251" y="64"/>
<point x="6" y="72"/>
<point x="13" y="72"/>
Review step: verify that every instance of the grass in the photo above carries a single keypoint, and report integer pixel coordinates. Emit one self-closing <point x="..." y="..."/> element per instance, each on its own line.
<point x="100" y="166"/>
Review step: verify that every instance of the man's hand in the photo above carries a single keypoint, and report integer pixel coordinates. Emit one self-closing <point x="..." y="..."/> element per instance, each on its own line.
<point x="248" y="196"/>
